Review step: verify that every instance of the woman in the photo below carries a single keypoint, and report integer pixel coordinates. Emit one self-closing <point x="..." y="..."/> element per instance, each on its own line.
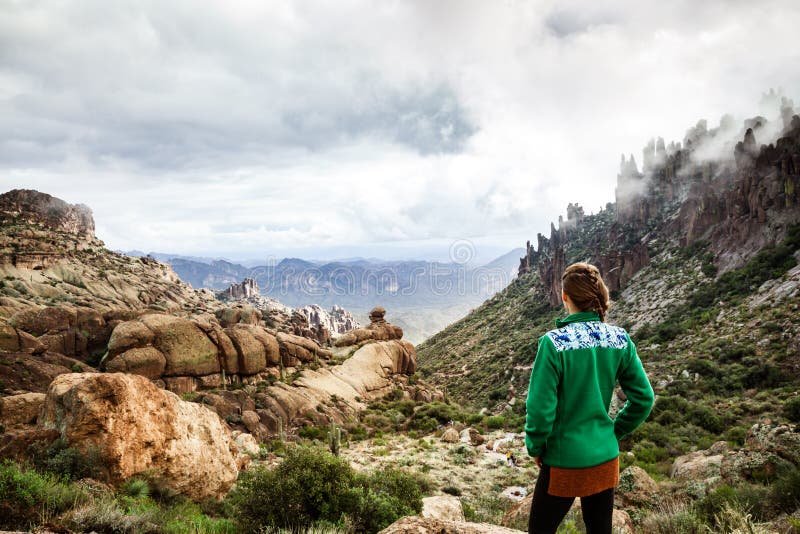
<point x="567" y="426"/>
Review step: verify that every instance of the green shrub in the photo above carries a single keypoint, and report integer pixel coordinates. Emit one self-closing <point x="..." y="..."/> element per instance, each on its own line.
<point x="67" y="462"/>
<point x="495" y="422"/>
<point x="27" y="497"/>
<point x="312" y="485"/>
<point x="785" y="491"/>
<point x="791" y="410"/>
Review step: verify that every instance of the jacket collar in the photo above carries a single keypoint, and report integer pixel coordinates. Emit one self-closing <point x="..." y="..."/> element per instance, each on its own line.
<point x="578" y="317"/>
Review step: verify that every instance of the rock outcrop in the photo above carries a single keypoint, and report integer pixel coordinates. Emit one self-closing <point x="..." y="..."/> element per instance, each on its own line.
<point x="49" y="254"/>
<point x="136" y="427"/>
<point x="245" y="289"/>
<point x="739" y="200"/>
<point x="377" y="330"/>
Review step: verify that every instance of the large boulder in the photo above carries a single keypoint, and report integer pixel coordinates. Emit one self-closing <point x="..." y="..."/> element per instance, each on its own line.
<point x="187" y="349"/>
<point x="145" y="361"/>
<point x="252" y="354"/>
<point x="697" y="465"/>
<point x="137" y="427"/>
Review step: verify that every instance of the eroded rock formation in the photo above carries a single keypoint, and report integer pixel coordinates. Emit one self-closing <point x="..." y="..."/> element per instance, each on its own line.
<point x="136" y="427"/>
<point x="377" y="330"/>
<point x="738" y="198"/>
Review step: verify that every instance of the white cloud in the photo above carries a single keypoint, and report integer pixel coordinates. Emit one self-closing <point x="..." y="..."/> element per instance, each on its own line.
<point x="251" y="128"/>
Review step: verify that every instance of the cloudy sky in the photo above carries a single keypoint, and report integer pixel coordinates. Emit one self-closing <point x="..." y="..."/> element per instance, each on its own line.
<point x="363" y="128"/>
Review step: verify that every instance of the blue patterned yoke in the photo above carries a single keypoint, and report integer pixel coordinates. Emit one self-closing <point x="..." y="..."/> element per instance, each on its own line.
<point x="584" y="335"/>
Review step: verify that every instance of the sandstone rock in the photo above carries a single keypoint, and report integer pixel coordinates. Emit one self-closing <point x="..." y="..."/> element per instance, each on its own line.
<point x="450" y="435"/>
<point x="135" y="426"/>
<point x="251" y="422"/>
<point x="128" y="335"/>
<point x="40" y="321"/>
<point x="187" y="349"/>
<point x="18" y="444"/>
<point x="145" y="361"/>
<point x="246" y="443"/>
<point x="243" y="313"/>
<point x="9" y="340"/>
<point x="378" y="330"/>
<point x="252" y="354"/>
<point x="20" y="410"/>
<point x="471" y="436"/>
<point x="29" y="343"/>
<point x="366" y="375"/>
<point x="420" y="525"/>
<point x="49" y="211"/>
<point x="21" y="371"/>
<point x="445" y="507"/>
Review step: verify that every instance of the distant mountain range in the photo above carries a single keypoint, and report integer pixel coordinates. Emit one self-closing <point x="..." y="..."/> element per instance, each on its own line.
<point x="421" y="296"/>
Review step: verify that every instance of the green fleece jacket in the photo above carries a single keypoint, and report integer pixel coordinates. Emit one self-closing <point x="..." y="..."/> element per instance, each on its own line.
<point x="576" y="368"/>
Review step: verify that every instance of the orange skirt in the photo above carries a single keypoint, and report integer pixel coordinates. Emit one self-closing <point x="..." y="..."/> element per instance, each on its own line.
<point x="583" y="481"/>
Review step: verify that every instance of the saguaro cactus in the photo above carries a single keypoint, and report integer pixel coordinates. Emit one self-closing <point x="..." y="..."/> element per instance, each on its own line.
<point x="334" y="438"/>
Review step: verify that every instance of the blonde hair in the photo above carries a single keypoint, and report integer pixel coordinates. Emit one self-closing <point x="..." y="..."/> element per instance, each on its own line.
<point x="585" y="287"/>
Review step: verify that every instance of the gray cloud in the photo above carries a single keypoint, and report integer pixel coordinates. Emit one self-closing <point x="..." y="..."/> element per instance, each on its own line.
<point x="247" y="127"/>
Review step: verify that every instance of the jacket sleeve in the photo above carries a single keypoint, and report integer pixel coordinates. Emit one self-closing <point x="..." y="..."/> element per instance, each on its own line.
<point x="639" y="393"/>
<point x="540" y="405"/>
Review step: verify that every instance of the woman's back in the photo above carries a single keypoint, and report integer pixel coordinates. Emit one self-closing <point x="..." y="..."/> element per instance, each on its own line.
<point x="575" y="372"/>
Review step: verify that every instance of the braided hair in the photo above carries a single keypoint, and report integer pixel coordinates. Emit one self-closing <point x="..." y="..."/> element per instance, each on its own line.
<point x="585" y="287"/>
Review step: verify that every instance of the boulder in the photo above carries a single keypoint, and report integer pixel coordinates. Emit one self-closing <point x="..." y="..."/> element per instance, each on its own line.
<point x="188" y="351"/>
<point x="444" y="507"/>
<point x="20" y="410"/>
<point x="145" y="361"/>
<point x="783" y="440"/>
<point x="421" y="525"/>
<point x="137" y="427"/>
<point x="752" y="466"/>
<point x="636" y="487"/>
<point x="9" y="340"/>
<point x="246" y="443"/>
<point x="128" y="335"/>
<point x="251" y="422"/>
<point x="252" y="354"/>
<point x="698" y="465"/>
<point x="450" y="435"/>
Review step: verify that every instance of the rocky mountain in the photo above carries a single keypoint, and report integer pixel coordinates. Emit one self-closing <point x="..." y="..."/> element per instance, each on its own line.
<point x="701" y="250"/>
<point x="687" y="222"/>
<point x="424" y="296"/>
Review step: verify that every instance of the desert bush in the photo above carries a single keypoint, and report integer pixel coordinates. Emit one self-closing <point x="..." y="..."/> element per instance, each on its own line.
<point x="791" y="410"/>
<point x="785" y="491"/>
<point x="27" y="497"/>
<point x="65" y="461"/>
<point x="673" y="518"/>
<point x="313" y="485"/>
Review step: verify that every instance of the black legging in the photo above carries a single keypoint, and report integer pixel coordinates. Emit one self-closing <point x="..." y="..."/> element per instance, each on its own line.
<point x="547" y="511"/>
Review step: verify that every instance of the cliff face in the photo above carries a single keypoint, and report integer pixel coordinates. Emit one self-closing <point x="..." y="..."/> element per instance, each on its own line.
<point x="50" y="256"/>
<point x="739" y="198"/>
